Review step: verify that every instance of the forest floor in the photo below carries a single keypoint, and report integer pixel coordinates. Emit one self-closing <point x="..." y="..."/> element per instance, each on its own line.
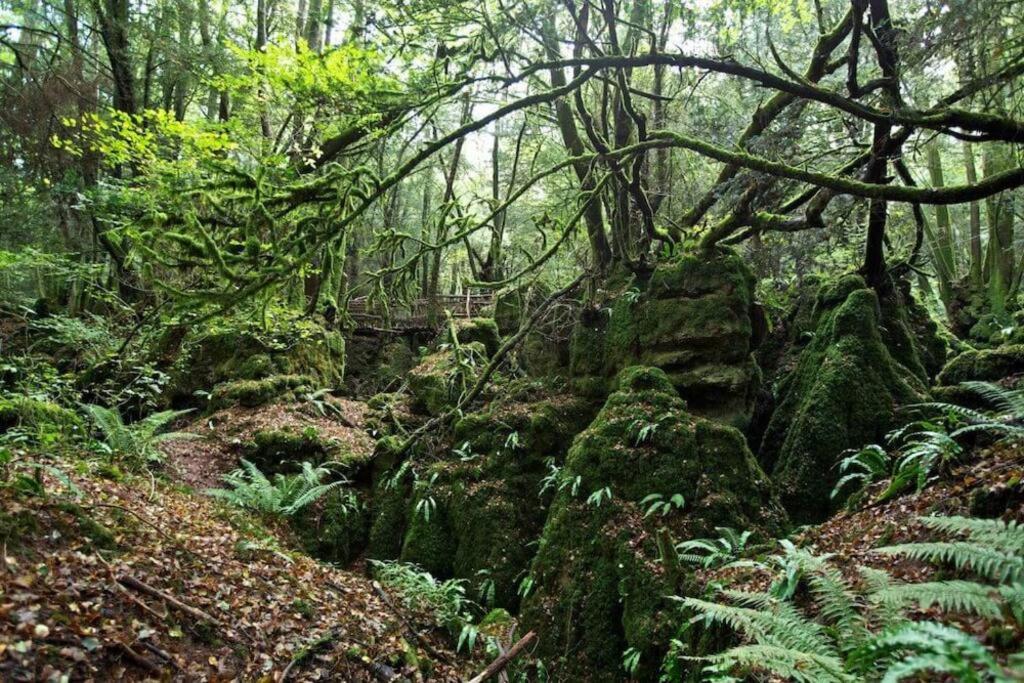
<point x="989" y="482"/>
<point x="139" y="578"/>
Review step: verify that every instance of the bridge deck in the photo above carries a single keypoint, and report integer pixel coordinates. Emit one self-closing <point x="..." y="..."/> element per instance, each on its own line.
<point x="419" y="315"/>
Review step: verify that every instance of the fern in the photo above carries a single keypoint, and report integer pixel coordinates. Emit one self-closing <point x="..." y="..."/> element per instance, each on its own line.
<point x="856" y="630"/>
<point x="987" y="561"/>
<point x="283" y="496"/>
<point x="785" y="663"/>
<point x="135" y="442"/>
<point x="957" y="596"/>
<point x="917" y="647"/>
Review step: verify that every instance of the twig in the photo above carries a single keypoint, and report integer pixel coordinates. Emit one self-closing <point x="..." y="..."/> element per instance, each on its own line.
<point x="137" y="659"/>
<point x="502" y="661"/>
<point x="161" y="653"/>
<point x="413" y="633"/>
<point x="121" y="589"/>
<point x="194" y="612"/>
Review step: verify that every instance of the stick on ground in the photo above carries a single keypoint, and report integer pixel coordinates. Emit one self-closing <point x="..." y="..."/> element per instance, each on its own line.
<point x="501" y="662"/>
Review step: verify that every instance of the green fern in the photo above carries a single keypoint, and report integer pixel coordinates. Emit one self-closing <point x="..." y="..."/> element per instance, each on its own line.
<point x="283" y="496"/>
<point x="914" y="648"/>
<point x="136" y="442"/>
<point x="857" y="630"/>
<point x="949" y="596"/>
<point x="792" y="665"/>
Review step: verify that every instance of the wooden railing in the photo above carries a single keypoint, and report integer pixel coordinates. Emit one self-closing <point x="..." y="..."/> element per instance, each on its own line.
<point x="420" y="314"/>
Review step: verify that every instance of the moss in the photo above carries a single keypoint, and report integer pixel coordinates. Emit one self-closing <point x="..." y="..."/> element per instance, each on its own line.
<point x="693" y="319"/>
<point x="481" y="330"/>
<point x="478" y="521"/>
<point x="842" y="394"/>
<point x="256" y="366"/>
<point x="279" y="450"/>
<point x="37" y="416"/>
<point x="429" y="541"/>
<point x="988" y="365"/>
<point x="600" y="587"/>
<point x="256" y="392"/>
<point x="910" y="334"/>
<point x="336" y="529"/>
<point x="198" y="359"/>
<point x="436" y="383"/>
<point x="389" y="514"/>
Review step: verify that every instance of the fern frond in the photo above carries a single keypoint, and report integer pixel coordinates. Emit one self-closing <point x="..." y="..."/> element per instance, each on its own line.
<point x="1009" y="535"/>
<point x="989" y="562"/>
<point x="786" y="663"/>
<point x="1008" y="401"/>
<point x="781" y="625"/>
<point x="950" y="596"/>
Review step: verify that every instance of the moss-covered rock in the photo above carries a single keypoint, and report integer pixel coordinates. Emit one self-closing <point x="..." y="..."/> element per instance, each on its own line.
<point x="599" y="585"/>
<point x="237" y="350"/>
<point x="910" y="333"/>
<point x="37" y="416"/>
<point x="251" y="393"/>
<point x="481" y="330"/>
<point x="373" y="365"/>
<point x="842" y="394"/>
<point x="484" y="499"/>
<point x="988" y="365"/>
<point x="441" y="377"/>
<point x="693" y="319"/>
<point x="282" y="449"/>
<point x="336" y="528"/>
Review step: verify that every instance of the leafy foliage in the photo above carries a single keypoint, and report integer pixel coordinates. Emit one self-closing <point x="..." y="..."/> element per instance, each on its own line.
<point x="860" y="629"/>
<point x="285" y="494"/>
<point x="137" y="442"/>
<point x="922" y="449"/>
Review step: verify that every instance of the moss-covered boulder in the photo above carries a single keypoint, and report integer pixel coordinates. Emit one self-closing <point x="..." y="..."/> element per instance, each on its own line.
<point x="335" y="528"/>
<point x="373" y="365"/>
<point x="693" y="318"/>
<point x="599" y="585"/>
<point x="283" y="448"/>
<point x="842" y="394"/>
<point x="252" y="393"/>
<point x="987" y="365"/>
<point x="476" y="513"/>
<point x="36" y="416"/>
<point x="481" y="330"/>
<point x="238" y="351"/>
<point x="441" y="377"/>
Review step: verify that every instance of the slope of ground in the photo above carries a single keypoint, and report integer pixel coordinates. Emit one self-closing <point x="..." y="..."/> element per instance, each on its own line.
<point x="989" y="483"/>
<point x="137" y="579"/>
<point x="201" y="462"/>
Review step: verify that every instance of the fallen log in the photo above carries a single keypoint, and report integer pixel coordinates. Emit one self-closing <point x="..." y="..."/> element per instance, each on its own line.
<point x="499" y="664"/>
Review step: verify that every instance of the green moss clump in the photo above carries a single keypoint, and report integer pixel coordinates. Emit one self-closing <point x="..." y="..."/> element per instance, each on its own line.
<point x="239" y="350"/>
<point x="252" y="393"/>
<point x="482" y="330"/>
<point x="691" y="318"/>
<point x="600" y="587"/>
<point x="280" y="450"/>
<point x="989" y="365"/>
<point x="436" y="383"/>
<point x="37" y="416"/>
<point x="842" y="394"/>
<point x="336" y="529"/>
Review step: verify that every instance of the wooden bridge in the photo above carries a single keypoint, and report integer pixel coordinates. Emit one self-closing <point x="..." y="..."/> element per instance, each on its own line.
<point x="420" y="315"/>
